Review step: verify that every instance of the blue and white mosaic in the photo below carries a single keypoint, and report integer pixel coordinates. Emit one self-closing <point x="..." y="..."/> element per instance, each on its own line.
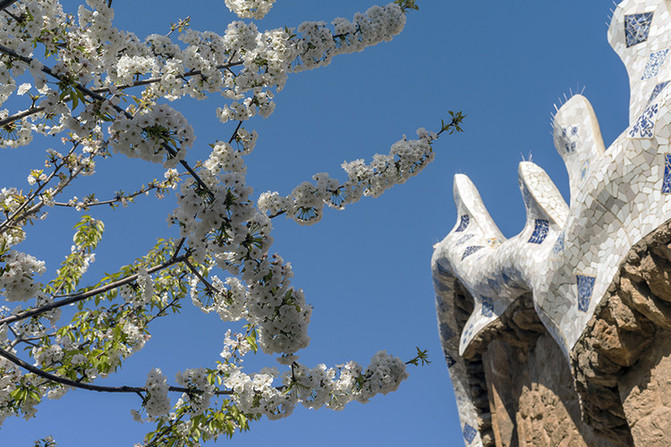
<point x="541" y="228"/>
<point x="558" y="247"/>
<point x="487" y="306"/>
<point x="666" y="183"/>
<point x="469" y="433"/>
<point x="463" y="224"/>
<point x="657" y="90"/>
<point x="585" y="290"/>
<point x="645" y="124"/>
<point x="617" y="196"/>
<point x="470" y="250"/>
<point x="655" y="62"/>
<point x="570" y="137"/>
<point x="465" y="238"/>
<point x="637" y="28"/>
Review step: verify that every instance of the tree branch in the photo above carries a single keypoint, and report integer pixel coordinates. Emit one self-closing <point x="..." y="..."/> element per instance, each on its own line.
<point x="84" y="295"/>
<point x="97" y="97"/>
<point x="4" y="4"/>
<point x="87" y="386"/>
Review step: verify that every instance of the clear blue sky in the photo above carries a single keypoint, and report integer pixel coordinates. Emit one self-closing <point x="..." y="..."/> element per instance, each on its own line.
<point x="365" y="270"/>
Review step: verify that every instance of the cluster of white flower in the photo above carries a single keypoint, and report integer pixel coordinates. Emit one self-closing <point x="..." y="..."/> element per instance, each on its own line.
<point x="313" y="388"/>
<point x="57" y="393"/>
<point x="235" y="347"/>
<point x="161" y="132"/>
<point x="250" y="9"/>
<point x="47" y="355"/>
<point x="146" y="287"/>
<point x="20" y="135"/>
<point x="319" y="44"/>
<point x="17" y="276"/>
<point x="10" y="376"/>
<point x="277" y="309"/>
<point x="306" y="202"/>
<point x="157" y="403"/>
<point x="230" y="300"/>
<point x="135" y="338"/>
<point x="96" y="66"/>
<point x="197" y="380"/>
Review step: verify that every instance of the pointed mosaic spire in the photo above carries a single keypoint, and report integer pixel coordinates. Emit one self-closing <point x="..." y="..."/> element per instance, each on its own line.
<point x="578" y="140"/>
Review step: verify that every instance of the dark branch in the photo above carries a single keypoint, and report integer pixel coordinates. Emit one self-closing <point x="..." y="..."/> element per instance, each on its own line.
<point x="87" y="386"/>
<point x="84" y="295"/>
<point x="4" y="4"/>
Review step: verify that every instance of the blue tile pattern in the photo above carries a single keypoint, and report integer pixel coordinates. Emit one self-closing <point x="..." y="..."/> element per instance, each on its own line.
<point x="570" y="137"/>
<point x="655" y="62"/>
<point x="637" y="28"/>
<point x="465" y="219"/>
<point x="666" y="185"/>
<point x="585" y="289"/>
<point x="645" y="123"/>
<point x="541" y="227"/>
<point x="465" y="238"/>
<point x="657" y="90"/>
<point x="468" y="332"/>
<point x="469" y="433"/>
<point x="584" y="170"/>
<point x="446" y="332"/>
<point x="559" y="245"/>
<point x="470" y="250"/>
<point x="487" y="306"/>
<point x="450" y="361"/>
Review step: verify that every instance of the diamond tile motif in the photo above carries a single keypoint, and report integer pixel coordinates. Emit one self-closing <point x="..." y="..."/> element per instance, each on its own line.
<point x="559" y="245"/>
<point x="645" y="123"/>
<point x="637" y="28"/>
<point x="470" y="250"/>
<point x="655" y="62"/>
<point x="585" y="289"/>
<point x="469" y="433"/>
<point x="657" y="90"/>
<point x="450" y="361"/>
<point x="666" y="185"/>
<point x="541" y="227"/>
<point x="465" y="219"/>
<point x="487" y="306"/>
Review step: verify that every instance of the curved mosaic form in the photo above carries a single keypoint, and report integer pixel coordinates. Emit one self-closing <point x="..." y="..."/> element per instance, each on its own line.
<point x="566" y="256"/>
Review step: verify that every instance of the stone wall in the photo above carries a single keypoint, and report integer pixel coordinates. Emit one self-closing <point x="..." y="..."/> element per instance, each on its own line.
<point x="622" y="363"/>
<point x="617" y="391"/>
<point x="531" y="394"/>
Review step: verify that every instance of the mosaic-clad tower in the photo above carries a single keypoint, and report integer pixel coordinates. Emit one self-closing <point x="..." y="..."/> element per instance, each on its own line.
<point x="561" y="335"/>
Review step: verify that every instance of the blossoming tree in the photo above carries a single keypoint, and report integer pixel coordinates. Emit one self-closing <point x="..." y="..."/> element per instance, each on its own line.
<point x="108" y="93"/>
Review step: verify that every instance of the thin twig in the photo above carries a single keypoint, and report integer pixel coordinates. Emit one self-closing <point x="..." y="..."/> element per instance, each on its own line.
<point x="74" y="298"/>
<point x="18" y="214"/>
<point x="195" y="271"/>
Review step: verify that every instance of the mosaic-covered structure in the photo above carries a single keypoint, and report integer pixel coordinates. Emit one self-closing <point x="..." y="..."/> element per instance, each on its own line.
<point x="561" y="335"/>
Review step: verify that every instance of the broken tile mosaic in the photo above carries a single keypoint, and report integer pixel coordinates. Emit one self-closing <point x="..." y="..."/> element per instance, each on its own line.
<point x="463" y="224"/>
<point x="637" y="28"/>
<point x="585" y="289"/>
<point x="541" y="227"/>
<point x="655" y="62"/>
